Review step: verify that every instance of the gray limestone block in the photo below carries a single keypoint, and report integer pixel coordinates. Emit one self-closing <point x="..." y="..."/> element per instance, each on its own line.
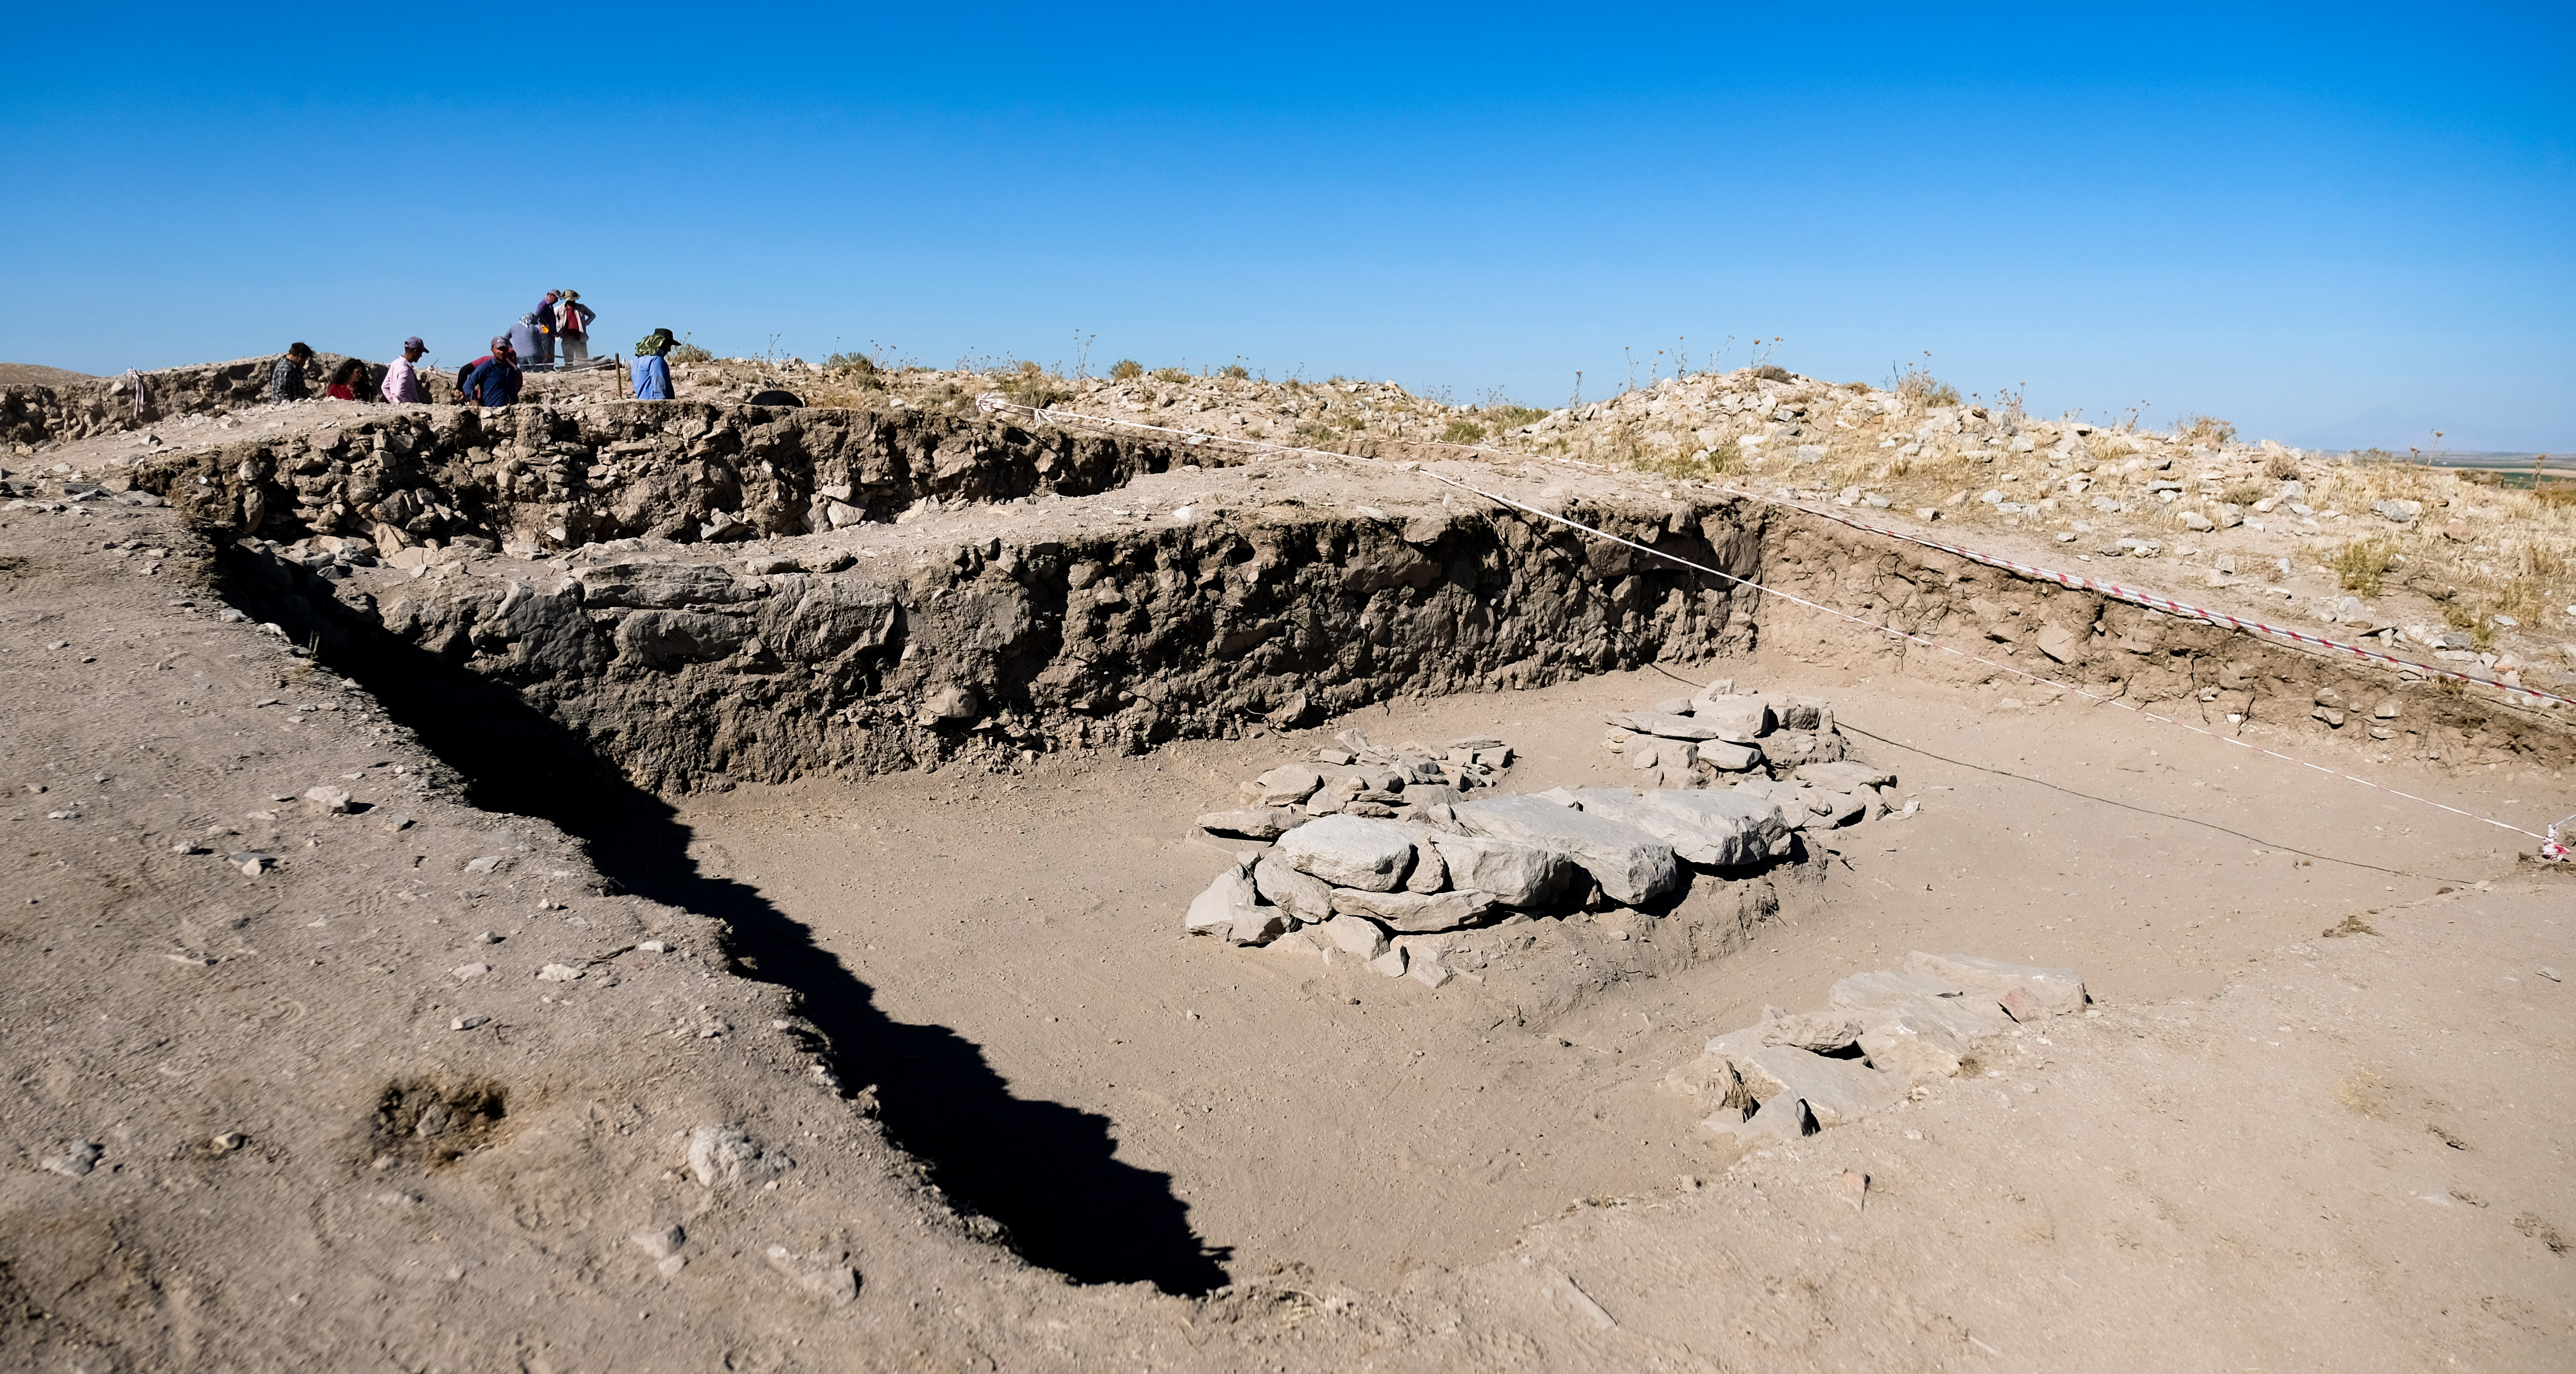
<point x="2056" y="991"/>
<point x="1350" y="851"/>
<point x="1631" y="865"/>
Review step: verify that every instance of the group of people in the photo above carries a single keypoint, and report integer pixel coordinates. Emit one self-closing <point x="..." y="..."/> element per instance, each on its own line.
<point x="493" y="379"/>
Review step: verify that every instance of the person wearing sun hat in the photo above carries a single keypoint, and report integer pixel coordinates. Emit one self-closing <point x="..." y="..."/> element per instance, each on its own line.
<point x="652" y="366"/>
<point x="572" y="327"/>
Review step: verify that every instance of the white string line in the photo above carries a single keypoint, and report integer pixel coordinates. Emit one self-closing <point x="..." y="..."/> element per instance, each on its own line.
<point x="994" y="402"/>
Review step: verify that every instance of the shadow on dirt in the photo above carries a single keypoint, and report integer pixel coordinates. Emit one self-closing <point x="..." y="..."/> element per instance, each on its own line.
<point x="1044" y="1170"/>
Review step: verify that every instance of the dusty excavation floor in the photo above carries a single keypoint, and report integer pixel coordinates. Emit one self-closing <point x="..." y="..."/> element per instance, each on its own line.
<point x="317" y="1140"/>
<point x="1359" y="1126"/>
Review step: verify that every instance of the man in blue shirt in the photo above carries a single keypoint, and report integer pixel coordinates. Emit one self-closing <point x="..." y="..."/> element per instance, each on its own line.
<point x="495" y="380"/>
<point x="653" y="367"/>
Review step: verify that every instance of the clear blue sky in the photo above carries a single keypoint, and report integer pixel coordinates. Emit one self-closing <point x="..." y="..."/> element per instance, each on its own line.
<point x="2339" y="225"/>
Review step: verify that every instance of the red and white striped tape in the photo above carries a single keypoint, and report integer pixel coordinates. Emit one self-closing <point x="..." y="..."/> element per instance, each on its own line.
<point x="2551" y="846"/>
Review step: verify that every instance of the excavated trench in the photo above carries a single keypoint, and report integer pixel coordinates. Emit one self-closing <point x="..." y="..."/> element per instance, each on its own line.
<point x="735" y="596"/>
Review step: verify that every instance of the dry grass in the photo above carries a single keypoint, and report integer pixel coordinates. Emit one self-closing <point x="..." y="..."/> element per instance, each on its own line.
<point x="2205" y="429"/>
<point x="2361" y="564"/>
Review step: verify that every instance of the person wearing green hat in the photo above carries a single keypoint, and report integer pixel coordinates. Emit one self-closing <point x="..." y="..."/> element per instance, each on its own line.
<point x="652" y="369"/>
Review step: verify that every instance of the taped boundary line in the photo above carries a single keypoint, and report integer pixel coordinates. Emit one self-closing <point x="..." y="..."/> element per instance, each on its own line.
<point x="2551" y="847"/>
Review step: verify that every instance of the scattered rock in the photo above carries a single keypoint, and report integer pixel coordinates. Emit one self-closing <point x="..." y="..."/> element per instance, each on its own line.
<point x="558" y="973"/>
<point x="825" y="1277"/>
<point x="467" y="1023"/>
<point x="1355" y="934"/>
<point x="1287" y="785"/>
<point x="1230" y="907"/>
<point x="472" y="970"/>
<point x="721" y="1154"/>
<point x="76" y="1160"/>
<point x="2059" y="643"/>
<point x="660" y="1242"/>
<point x="330" y="801"/>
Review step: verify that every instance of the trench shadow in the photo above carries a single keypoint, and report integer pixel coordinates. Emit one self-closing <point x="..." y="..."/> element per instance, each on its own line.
<point x="1045" y="1171"/>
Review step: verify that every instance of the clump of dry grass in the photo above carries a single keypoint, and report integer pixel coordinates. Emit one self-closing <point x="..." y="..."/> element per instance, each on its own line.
<point x="2208" y="430"/>
<point x="2360" y="564"/>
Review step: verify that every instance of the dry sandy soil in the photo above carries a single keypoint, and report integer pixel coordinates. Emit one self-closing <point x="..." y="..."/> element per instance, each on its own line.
<point x="2316" y="1118"/>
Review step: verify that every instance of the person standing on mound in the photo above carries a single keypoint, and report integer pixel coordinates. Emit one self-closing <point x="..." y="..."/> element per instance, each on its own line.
<point x="572" y="326"/>
<point x="653" y="366"/>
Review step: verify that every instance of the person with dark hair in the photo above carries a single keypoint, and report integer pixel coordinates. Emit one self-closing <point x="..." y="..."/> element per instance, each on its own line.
<point x="653" y="367"/>
<point x="572" y="325"/>
<point x="286" y="377"/>
<point x="545" y="317"/>
<point x="402" y="375"/>
<point x="494" y="381"/>
<point x="349" y="382"/>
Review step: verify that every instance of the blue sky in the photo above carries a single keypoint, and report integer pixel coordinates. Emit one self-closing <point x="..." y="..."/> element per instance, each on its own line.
<point x="2335" y="226"/>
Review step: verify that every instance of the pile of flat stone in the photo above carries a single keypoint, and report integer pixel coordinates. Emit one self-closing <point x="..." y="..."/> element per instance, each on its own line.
<point x="1385" y="889"/>
<point x="1879" y="1035"/>
<point x="1355" y="776"/>
<point x="1786" y="749"/>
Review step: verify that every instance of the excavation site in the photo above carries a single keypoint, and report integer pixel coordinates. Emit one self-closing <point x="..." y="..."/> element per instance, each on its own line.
<point x="951" y="870"/>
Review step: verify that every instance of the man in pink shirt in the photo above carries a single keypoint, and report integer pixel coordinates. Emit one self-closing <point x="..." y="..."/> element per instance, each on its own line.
<point x="402" y="378"/>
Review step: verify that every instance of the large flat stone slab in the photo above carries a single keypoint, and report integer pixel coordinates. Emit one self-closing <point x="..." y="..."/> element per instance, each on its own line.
<point x="1517" y="873"/>
<point x="1350" y="851"/>
<point x="1631" y="865"/>
<point x="1415" y="913"/>
<point x="2056" y="991"/>
<point x="1836" y="1090"/>
<point x="1715" y="829"/>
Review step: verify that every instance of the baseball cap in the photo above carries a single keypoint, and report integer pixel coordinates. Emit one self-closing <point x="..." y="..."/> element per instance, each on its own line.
<point x="414" y="342"/>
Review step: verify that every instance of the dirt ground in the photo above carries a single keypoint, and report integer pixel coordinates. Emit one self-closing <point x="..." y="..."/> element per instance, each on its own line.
<point x="2266" y="1147"/>
<point x="1039" y="917"/>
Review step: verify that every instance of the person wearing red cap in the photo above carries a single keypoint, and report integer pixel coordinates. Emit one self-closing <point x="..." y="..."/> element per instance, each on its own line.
<point x="402" y="375"/>
<point x="494" y="381"/>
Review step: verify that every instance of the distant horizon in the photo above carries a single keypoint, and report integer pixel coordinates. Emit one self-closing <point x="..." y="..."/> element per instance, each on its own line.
<point x="2341" y="232"/>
